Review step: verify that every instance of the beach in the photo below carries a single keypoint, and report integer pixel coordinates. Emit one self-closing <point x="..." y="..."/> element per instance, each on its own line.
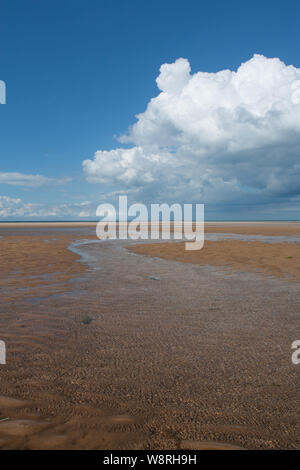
<point x="138" y="345"/>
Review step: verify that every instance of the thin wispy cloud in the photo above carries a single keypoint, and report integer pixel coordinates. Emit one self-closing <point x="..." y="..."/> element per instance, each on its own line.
<point x="34" y="181"/>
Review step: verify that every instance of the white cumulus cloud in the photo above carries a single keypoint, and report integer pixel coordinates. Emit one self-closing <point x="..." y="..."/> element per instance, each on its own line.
<point x="212" y="137"/>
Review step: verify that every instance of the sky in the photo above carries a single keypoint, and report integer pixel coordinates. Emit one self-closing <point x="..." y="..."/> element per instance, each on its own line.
<point x="165" y="101"/>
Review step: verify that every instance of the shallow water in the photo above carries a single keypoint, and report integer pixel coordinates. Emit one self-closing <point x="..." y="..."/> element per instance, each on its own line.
<point x="86" y="257"/>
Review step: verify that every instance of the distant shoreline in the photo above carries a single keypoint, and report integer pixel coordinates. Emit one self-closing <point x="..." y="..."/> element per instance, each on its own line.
<point x="77" y="223"/>
<point x="273" y="228"/>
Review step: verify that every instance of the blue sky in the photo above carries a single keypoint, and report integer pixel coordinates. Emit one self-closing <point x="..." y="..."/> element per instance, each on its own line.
<point x="77" y="73"/>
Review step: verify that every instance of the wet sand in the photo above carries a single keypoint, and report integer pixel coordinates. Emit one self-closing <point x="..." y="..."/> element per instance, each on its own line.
<point x="274" y="259"/>
<point x="177" y="355"/>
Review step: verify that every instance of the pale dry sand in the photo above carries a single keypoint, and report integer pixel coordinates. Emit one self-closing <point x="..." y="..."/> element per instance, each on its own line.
<point x="255" y="228"/>
<point x="177" y="355"/>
